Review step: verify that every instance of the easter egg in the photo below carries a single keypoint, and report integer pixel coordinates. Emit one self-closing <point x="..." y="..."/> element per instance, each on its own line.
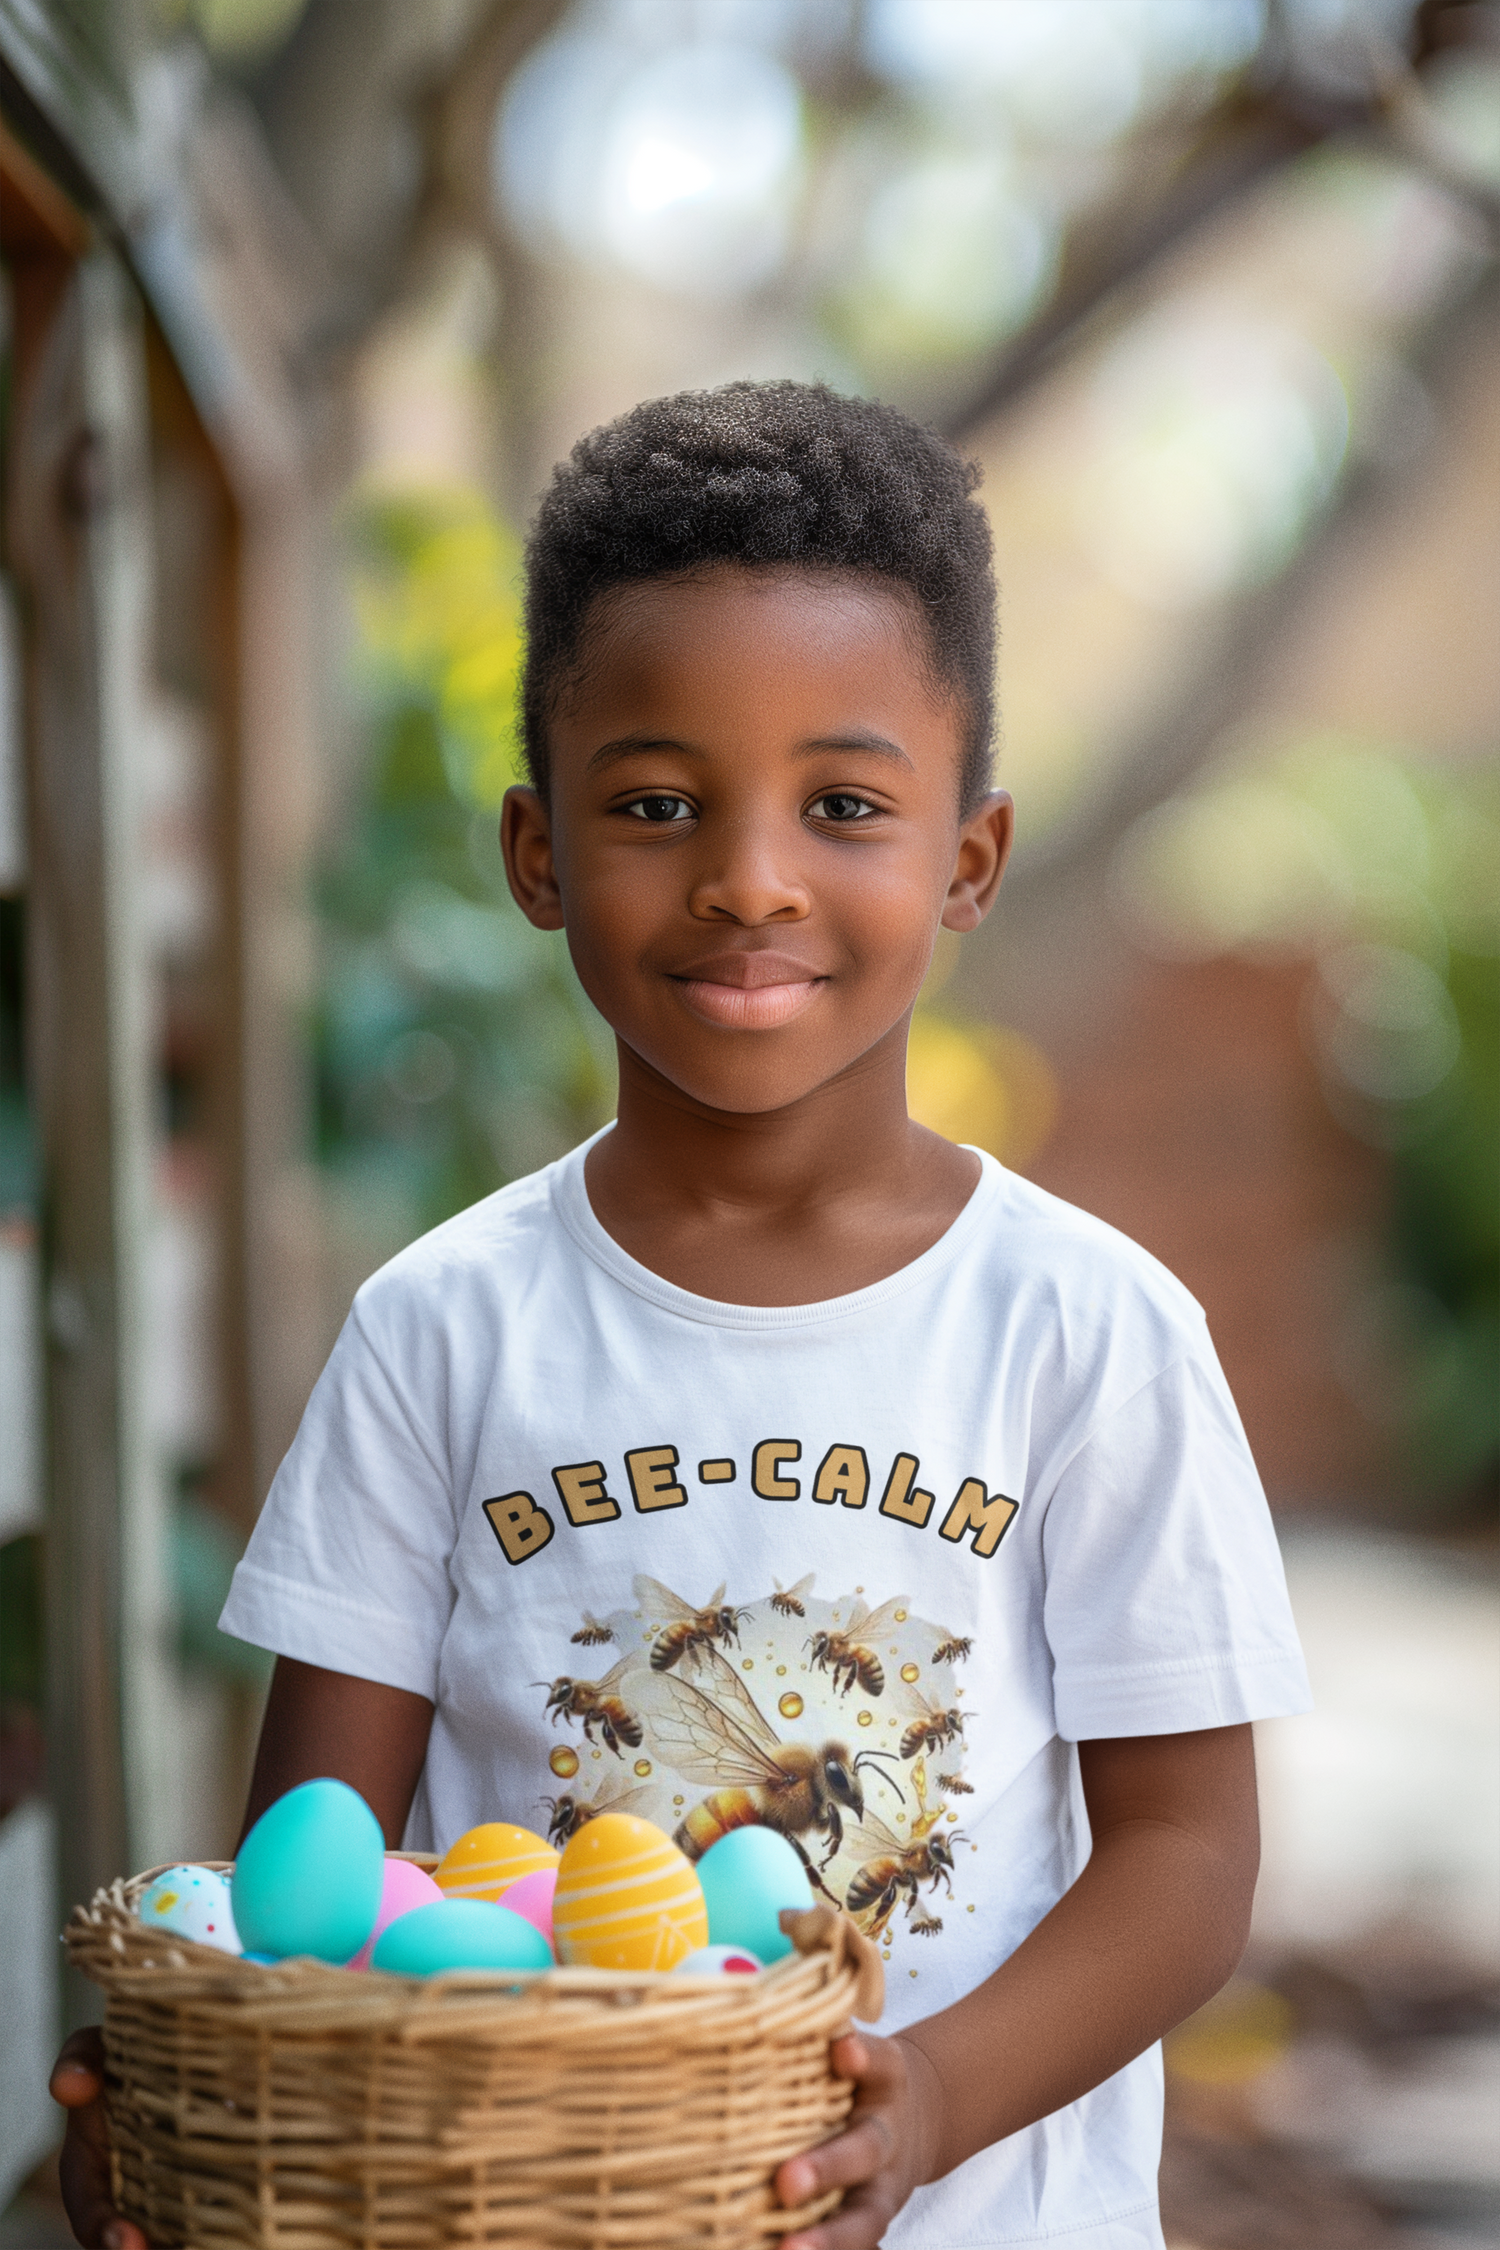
<point x="531" y="1898"/>
<point x="192" y="1902"/>
<point x="489" y="1859"/>
<point x="748" y="1876"/>
<point x="460" y="1933"/>
<point x="403" y="1888"/>
<point x="626" y="1898"/>
<point x="719" y="1961"/>
<point x="309" y="1874"/>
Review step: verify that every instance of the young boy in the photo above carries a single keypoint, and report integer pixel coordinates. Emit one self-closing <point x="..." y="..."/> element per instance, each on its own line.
<point x="771" y="1458"/>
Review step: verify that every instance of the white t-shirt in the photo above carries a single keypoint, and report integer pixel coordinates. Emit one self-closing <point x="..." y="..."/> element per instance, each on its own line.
<point x="867" y="1568"/>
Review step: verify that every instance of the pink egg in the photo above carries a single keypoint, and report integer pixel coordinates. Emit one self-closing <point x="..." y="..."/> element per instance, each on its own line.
<point x="531" y="1898"/>
<point x="402" y="1887"/>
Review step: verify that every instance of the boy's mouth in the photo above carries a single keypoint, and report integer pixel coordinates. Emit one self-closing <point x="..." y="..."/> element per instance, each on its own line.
<point x="747" y="991"/>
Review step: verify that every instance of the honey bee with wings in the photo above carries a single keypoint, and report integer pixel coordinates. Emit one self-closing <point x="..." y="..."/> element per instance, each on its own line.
<point x="790" y="1601"/>
<point x="930" y="1726"/>
<point x="596" y="1703"/>
<point x="895" y="1868"/>
<point x="848" y="1654"/>
<point x="721" y="1742"/>
<point x="685" y="1633"/>
<point x="567" y="1814"/>
<point x="592" y="1633"/>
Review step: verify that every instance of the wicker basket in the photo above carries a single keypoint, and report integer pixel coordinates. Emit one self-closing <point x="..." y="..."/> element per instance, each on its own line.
<point x="301" y="2108"/>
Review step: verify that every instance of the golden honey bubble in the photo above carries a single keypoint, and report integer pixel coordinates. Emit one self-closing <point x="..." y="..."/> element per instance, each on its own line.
<point x="748" y="1664"/>
<point x="952" y="1816"/>
<point x="564" y="1762"/>
<point x="886" y="1955"/>
<point x="597" y="1755"/>
<point x="790" y="1705"/>
<point x="900" y="1616"/>
<point x="643" y="1767"/>
<point x="781" y="1671"/>
<point x="679" y="1800"/>
<point x="910" y="1672"/>
<point x="865" y="1719"/>
<point x="968" y="1910"/>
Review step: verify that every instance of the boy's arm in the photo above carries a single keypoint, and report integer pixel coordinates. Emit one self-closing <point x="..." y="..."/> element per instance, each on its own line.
<point x="316" y="1723"/>
<point x="1153" y="1926"/>
<point x="325" y="1723"/>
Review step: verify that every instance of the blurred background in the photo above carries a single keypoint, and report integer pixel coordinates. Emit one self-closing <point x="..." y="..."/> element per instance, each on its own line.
<point x="302" y="299"/>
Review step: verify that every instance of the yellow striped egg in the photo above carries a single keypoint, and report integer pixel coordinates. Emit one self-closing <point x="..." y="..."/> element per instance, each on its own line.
<point x="626" y="1898"/>
<point x="489" y="1859"/>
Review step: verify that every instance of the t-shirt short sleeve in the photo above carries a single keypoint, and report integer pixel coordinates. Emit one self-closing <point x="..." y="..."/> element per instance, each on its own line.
<point x="348" y="1565"/>
<point x="1166" y="1607"/>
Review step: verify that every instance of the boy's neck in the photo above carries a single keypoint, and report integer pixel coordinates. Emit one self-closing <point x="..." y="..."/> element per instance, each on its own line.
<point x="788" y="1206"/>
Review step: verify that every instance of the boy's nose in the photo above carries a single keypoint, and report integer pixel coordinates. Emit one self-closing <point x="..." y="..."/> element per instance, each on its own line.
<point x="749" y="882"/>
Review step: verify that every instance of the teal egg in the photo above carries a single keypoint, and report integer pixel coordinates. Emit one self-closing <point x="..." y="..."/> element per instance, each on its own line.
<point x="748" y="1876"/>
<point x="460" y="1933"/>
<point x="309" y="1874"/>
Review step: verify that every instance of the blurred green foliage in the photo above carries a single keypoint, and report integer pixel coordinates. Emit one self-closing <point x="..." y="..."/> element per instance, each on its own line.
<point x="202" y="1551"/>
<point x="454" y="1047"/>
<point x="1446" y="1239"/>
<point x="1384" y="869"/>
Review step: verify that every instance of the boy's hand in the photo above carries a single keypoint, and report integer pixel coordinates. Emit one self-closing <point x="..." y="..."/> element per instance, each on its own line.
<point x="77" y="2082"/>
<point x="883" y="2152"/>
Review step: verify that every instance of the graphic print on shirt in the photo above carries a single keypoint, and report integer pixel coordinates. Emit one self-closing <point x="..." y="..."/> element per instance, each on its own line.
<point x="838" y="1724"/>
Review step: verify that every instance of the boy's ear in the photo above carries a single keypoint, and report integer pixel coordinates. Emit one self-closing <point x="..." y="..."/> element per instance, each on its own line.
<point x="526" y="840"/>
<point x="984" y="844"/>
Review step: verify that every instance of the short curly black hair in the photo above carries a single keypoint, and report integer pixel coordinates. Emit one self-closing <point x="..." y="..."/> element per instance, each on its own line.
<point x="764" y="474"/>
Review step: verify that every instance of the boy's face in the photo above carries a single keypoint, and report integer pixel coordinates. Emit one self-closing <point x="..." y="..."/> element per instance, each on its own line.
<point x="753" y="833"/>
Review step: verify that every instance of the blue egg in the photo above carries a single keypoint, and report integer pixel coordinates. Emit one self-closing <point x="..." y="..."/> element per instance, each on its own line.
<point x="748" y="1876"/>
<point x="460" y="1933"/>
<point x="309" y="1874"/>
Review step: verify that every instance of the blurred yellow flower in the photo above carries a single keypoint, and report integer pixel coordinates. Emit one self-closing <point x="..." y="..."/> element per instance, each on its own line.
<point x="1241" y="2032"/>
<point x="977" y="1083"/>
<point x="439" y="604"/>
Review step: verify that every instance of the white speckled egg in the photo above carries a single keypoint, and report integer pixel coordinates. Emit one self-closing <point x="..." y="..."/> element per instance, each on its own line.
<point x="719" y="1961"/>
<point x="192" y="1902"/>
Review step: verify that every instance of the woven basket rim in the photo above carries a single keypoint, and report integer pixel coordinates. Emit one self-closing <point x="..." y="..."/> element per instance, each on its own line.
<point x="109" y="1944"/>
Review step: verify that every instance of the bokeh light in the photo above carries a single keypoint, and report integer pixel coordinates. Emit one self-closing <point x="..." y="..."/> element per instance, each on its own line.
<point x="681" y="165"/>
<point x="1217" y="438"/>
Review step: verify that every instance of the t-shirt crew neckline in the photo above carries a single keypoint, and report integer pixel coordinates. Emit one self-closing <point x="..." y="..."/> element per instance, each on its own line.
<point x="570" y="1199"/>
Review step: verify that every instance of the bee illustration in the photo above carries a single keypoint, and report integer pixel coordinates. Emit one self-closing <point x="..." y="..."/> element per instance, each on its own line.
<point x="591" y="1634"/>
<point x="848" y="1655"/>
<point x="931" y="1726"/>
<point x="688" y="1632"/>
<point x="569" y="1814"/>
<point x="596" y="1703"/>
<point x="723" y="1743"/>
<point x="955" y="1785"/>
<point x="787" y="1601"/>
<point x="895" y="1868"/>
<point x="949" y="1651"/>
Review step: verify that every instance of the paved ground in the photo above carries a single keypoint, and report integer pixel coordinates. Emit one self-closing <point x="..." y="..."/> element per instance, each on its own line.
<point x="1344" y="2094"/>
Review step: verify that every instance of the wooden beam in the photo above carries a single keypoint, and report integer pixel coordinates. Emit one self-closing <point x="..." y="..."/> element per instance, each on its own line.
<point x="78" y="507"/>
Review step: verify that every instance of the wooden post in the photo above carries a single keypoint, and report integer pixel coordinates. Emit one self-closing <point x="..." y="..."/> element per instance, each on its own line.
<point x="78" y="532"/>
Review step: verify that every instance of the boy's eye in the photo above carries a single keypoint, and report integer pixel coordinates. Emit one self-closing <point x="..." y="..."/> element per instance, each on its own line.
<point x="661" y="811"/>
<point x="840" y="807"/>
